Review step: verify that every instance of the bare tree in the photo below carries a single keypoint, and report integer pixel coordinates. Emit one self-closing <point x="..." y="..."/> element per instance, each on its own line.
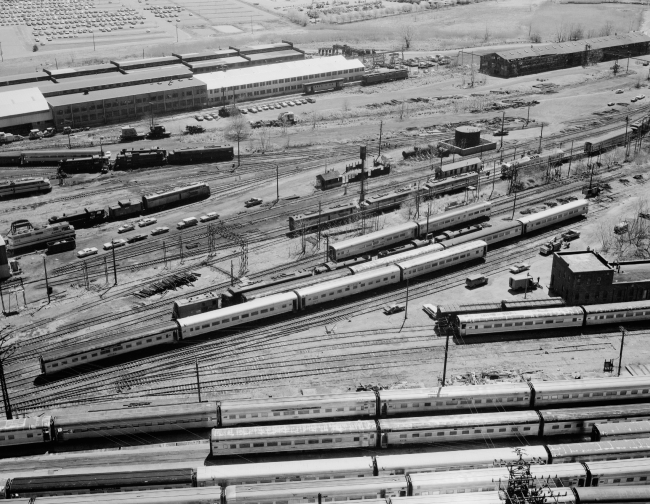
<point x="238" y="130"/>
<point x="560" y="34"/>
<point x="315" y="118"/>
<point x="407" y="34"/>
<point x="607" y="29"/>
<point x="264" y="138"/>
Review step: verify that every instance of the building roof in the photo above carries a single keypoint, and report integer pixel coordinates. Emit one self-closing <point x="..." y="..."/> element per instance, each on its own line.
<point x="274" y="55"/>
<point x="225" y="61"/>
<point x="285" y="70"/>
<point x="22" y="102"/>
<point x="208" y="55"/>
<point x="162" y="60"/>
<point x="8" y="80"/>
<point x="634" y="271"/>
<point x="122" y="92"/>
<point x="330" y="175"/>
<point x="584" y="261"/>
<point x="60" y="73"/>
<point x="573" y="47"/>
<point x="265" y="47"/>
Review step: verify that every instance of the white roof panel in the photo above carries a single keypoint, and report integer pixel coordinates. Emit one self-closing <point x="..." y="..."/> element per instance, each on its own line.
<point x="19" y="103"/>
<point x="285" y="70"/>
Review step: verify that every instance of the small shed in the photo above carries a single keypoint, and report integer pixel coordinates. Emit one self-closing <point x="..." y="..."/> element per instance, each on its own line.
<point x="329" y="180"/>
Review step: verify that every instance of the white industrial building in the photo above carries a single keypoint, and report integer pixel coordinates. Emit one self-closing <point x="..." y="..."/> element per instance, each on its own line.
<point x="253" y="83"/>
<point x="23" y="107"/>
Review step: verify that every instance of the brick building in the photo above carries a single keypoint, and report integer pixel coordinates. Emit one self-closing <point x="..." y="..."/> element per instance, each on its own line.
<point x="585" y="277"/>
<point x="546" y="57"/>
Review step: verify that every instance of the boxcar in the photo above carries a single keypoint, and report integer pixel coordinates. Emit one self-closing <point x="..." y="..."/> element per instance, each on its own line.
<point x="158" y="201"/>
<point x="616" y="313"/>
<point x="372" y="241"/>
<point x="109" y="346"/>
<point x="438" y="399"/>
<point x="458" y="428"/>
<point x="477" y="324"/>
<point x="347" y="286"/>
<point x="135" y="421"/>
<point x="601" y="450"/>
<point x="557" y="422"/>
<point x="436" y="261"/>
<point x="338" y="214"/>
<point x="293" y="437"/>
<point x="299" y="492"/>
<point x="459" y="168"/>
<point x="553" y="216"/>
<point x="293" y="470"/>
<point x="22" y="431"/>
<point x="620" y="430"/>
<point x="308" y="407"/>
<point x="201" y="155"/>
<point x="87" y="218"/>
<point x="11" y="158"/>
<point x="458" y="460"/>
<point x="251" y="311"/>
<point x="575" y="392"/>
<point x="92" y="164"/>
<point x="450" y="219"/>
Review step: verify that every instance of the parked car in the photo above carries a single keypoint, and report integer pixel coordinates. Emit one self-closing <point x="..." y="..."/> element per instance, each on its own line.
<point x="159" y="230"/>
<point x="291" y="104"/>
<point x="126" y="227"/>
<point x="311" y="100"/>
<point x="611" y="104"/>
<point x="207" y="117"/>
<point x="619" y="91"/>
<point x="284" y="103"/>
<point x="253" y="110"/>
<point x="253" y="202"/>
<point x="147" y="221"/>
<point x="244" y="111"/>
<point x="87" y="252"/>
<point x="137" y="238"/>
<point x="640" y="97"/>
<point x="209" y="217"/>
<point x="119" y="242"/>
<point x="265" y="107"/>
<point x="198" y="117"/>
<point x="518" y="268"/>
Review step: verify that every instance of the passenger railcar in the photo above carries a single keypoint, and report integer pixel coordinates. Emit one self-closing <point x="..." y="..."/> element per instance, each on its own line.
<point x="450" y="184"/>
<point x="293" y="437"/>
<point x="392" y="259"/>
<point x="285" y="471"/>
<point x="552" y="216"/>
<point x="639" y="493"/>
<point x="347" y="286"/>
<point x="52" y="157"/>
<point x="601" y="450"/>
<point x="387" y="76"/>
<point x="298" y="492"/>
<point x="458" y="428"/>
<point x="616" y="313"/>
<point x="405" y="401"/>
<point x="251" y="311"/>
<point x="575" y="392"/>
<point x="447" y="258"/>
<point x="11" y="158"/>
<point x="453" y="218"/>
<point x="336" y="215"/>
<point x="551" y="158"/>
<point x="91" y="164"/>
<point x="491" y="235"/>
<point x="618" y="472"/>
<point x="476" y="324"/>
<point x="571" y="421"/>
<point x="459" y="168"/>
<point x="460" y="498"/>
<point x="367" y="243"/>
<point x="309" y="407"/>
<point x="458" y="460"/>
<point x="21" y="431"/>
<point x="387" y="201"/>
<point x="620" y="430"/>
<point x="171" y="496"/>
<point x="107" y="347"/>
<point x="24" y="186"/>
<point x="159" y="201"/>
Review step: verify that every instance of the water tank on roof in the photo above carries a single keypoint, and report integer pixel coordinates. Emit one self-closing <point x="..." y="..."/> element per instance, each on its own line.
<point x="468" y="136"/>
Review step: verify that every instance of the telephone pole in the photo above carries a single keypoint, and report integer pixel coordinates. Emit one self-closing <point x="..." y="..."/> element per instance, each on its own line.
<point x="620" y="357"/>
<point x="444" y="369"/>
<point x="47" y="284"/>
<point x="277" y="181"/>
<point x="198" y="379"/>
<point x="114" y="265"/>
<point x="541" y="134"/>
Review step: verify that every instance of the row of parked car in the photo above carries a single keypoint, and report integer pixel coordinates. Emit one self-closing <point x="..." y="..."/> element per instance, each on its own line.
<point x="147" y="221"/>
<point x="279" y="105"/>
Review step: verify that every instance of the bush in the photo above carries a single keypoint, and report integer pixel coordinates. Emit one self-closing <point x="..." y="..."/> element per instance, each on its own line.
<point x="35" y="48"/>
<point x="536" y="38"/>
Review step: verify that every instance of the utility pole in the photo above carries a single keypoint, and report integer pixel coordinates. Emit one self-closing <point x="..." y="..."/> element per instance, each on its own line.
<point x="406" y="309"/>
<point x="503" y="119"/>
<point x="627" y="121"/>
<point x="381" y="127"/>
<point x="232" y="274"/>
<point x="620" y="357"/>
<point x="528" y="118"/>
<point x="47" y="284"/>
<point x="1" y="54"/>
<point x="106" y="269"/>
<point x="514" y="187"/>
<point x="6" y="350"/>
<point x="94" y="41"/>
<point x="2" y="299"/>
<point x="541" y="134"/>
<point x="444" y="369"/>
<point x="198" y="380"/>
<point x="277" y="181"/>
<point x="570" y="159"/>
<point x="114" y="265"/>
<point x="177" y="43"/>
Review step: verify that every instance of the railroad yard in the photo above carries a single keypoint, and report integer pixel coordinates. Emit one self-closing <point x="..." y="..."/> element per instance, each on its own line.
<point x="269" y="323"/>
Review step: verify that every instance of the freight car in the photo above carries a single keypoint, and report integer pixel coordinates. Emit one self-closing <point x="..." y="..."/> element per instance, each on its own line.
<point x="161" y="200"/>
<point x="385" y="76"/>
<point x="125" y="210"/>
<point x="87" y="218"/>
<point x="25" y="186"/>
<point x="551" y="158"/>
<point x="323" y="86"/>
<point x="11" y="158"/>
<point x="91" y="164"/>
<point x="215" y="153"/>
<point x="65" y="245"/>
<point x="571" y="316"/>
<point x="420" y="151"/>
<point x="459" y="168"/>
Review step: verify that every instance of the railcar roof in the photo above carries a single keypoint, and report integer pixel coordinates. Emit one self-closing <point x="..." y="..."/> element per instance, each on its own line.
<point x="617" y="467"/>
<point x="299" y="402"/>
<point x="559" y="386"/>
<point x="460" y="498"/>
<point x="465" y="247"/>
<point x="457" y="391"/>
<point x="590" y="412"/>
<point x="456" y="211"/>
<point x="305" y="429"/>
<point x="376" y="235"/>
<point x="392" y="259"/>
<point x="614" y="307"/>
<point x="629" y="428"/>
<point x="473" y="318"/>
<point x="600" y="447"/>
<point x="338" y="485"/>
<point x="99" y="417"/>
<point x="324" y="211"/>
<point x="552" y="211"/>
<point x="175" y="189"/>
<point x="459" y="421"/>
<point x="22" y="424"/>
<point x="344" y="281"/>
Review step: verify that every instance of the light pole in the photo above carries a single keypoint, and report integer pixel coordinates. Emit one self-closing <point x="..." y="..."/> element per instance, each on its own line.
<point x="47" y="284"/>
<point x="152" y="119"/>
<point x="101" y="146"/>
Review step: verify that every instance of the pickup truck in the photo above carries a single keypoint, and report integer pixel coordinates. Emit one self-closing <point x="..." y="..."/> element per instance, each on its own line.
<point x="550" y="247"/>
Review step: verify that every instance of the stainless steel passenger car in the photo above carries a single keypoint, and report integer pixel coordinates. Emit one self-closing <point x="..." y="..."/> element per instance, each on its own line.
<point x="436" y="261"/>
<point x="372" y="241"/>
<point x="387" y="201"/>
<point x="347" y="286"/>
<point x="464" y="498"/>
<point x="476" y="324"/>
<point x="502" y="395"/>
<point x="231" y="316"/>
<point x="458" y="460"/>
<point x="294" y="470"/>
<point x="617" y="313"/>
<point x="600" y="450"/>
<point x="451" y="218"/>
<point x="207" y="495"/>
<point x="129" y="421"/>
<point x="575" y="392"/>
<point x="619" y="472"/>
<point x="21" y="431"/>
<point x="558" y="422"/>
<point x="308" y="407"/>
<point x="337" y="214"/>
<point x="458" y="428"/>
<point x="497" y="232"/>
<point x="299" y="492"/>
<point x="392" y="259"/>
<point x="620" y="430"/>
<point x="108" y="347"/>
<point x="293" y="437"/>
<point x="554" y="215"/>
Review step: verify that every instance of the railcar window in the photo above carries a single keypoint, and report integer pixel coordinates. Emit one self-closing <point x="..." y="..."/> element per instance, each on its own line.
<point x="356" y="439"/>
<point x="300" y="442"/>
<point x="285" y="443"/>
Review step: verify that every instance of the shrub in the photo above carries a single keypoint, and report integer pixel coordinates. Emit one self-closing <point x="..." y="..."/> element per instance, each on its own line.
<point x="35" y="48"/>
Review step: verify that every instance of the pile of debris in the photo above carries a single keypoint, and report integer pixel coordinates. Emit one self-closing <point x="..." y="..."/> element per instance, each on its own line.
<point x="168" y="283"/>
